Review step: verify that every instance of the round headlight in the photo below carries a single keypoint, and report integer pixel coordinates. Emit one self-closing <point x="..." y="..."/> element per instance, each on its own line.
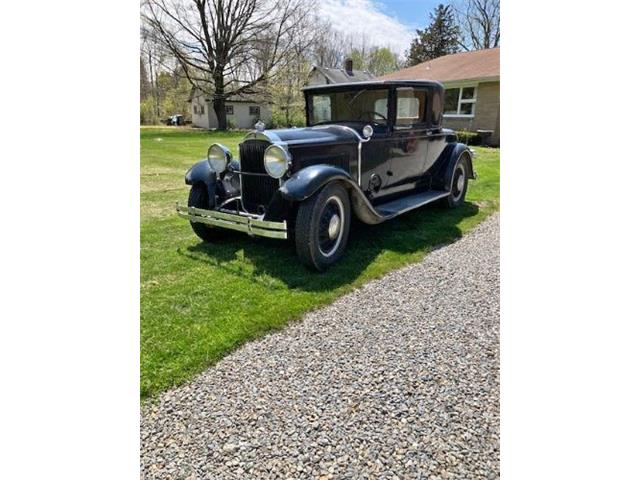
<point x="276" y="161"/>
<point x="219" y="157"/>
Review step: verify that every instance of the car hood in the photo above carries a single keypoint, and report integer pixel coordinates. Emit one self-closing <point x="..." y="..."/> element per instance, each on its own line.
<point x="313" y="135"/>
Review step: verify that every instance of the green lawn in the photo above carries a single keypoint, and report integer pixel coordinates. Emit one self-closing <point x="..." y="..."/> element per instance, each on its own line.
<point x="200" y="301"/>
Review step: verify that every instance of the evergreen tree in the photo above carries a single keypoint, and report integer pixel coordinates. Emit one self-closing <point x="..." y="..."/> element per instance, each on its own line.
<point x="440" y="38"/>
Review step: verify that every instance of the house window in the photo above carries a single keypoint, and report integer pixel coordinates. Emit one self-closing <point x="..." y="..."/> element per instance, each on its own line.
<point x="254" y="110"/>
<point x="195" y="109"/>
<point x="228" y="109"/>
<point x="460" y="101"/>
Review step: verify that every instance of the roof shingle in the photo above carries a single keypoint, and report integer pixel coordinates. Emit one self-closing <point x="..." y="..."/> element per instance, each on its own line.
<point x="476" y="65"/>
<point x="340" y="75"/>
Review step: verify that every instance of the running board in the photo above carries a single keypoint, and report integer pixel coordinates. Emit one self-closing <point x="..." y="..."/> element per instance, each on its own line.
<point x="401" y="205"/>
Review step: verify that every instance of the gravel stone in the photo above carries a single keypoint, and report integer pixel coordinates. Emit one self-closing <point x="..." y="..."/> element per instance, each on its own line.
<point x="398" y="379"/>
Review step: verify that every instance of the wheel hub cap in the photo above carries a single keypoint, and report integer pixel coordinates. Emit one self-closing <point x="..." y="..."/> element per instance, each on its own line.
<point x="460" y="182"/>
<point x="334" y="226"/>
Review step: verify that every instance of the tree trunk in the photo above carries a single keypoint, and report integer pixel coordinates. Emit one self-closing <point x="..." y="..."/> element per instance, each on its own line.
<point x="219" y="99"/>
<point x="221" y="114"/>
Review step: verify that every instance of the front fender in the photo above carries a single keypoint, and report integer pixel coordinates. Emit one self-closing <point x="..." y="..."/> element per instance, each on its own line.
<point x="200" y="172"/>
<point x="308" y="181"/>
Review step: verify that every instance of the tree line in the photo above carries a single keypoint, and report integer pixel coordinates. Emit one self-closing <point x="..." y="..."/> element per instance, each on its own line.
<point x="226" y="48"/>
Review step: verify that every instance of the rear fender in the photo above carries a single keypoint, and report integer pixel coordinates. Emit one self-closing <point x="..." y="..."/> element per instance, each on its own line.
<point x="446" y="163"/>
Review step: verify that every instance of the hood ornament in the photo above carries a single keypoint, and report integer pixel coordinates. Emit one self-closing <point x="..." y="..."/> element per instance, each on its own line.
<point x="259" y="126"/>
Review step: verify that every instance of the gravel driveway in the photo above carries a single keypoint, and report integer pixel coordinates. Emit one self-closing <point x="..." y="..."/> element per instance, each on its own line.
<point x="399" y="379"/>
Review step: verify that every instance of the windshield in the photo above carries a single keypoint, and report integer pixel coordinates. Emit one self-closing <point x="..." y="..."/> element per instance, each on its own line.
<point x="351" y="106"/>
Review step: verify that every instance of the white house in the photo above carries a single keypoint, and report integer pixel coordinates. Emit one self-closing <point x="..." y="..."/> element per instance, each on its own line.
<point x="242" y="111"/>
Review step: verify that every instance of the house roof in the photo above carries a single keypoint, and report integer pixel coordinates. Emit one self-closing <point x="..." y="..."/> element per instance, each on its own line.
<point x="476" y="65"/>
<point x="340" y="75"/>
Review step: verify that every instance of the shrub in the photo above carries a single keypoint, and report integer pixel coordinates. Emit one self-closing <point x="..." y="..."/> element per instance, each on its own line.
<point x="296" y="118"/>
<point x="470" y="138"/>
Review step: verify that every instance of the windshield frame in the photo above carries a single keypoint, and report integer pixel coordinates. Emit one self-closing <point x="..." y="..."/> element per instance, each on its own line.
<point x="347" y="88"/>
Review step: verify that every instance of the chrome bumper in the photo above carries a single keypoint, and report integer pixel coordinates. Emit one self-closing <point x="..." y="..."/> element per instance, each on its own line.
<point x="243" y="222"/>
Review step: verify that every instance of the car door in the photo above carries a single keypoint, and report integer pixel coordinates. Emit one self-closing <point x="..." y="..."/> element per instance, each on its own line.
<point x="409" y="140"/>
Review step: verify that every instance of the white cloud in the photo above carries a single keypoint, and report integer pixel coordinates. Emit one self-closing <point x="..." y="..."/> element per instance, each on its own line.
<point x="364" y="17"/>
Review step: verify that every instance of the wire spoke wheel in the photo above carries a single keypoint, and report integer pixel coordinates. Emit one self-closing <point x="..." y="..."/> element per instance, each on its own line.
<point x="458" y="184"/>
<point x="322" y="227"/>
<point x="459" y="179"/>
<point x="331" y="226"/>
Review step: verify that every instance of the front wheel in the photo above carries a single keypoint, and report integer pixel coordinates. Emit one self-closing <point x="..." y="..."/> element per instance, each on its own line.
<point x="199" y="198"/>
<point x="459" y="182"/>
<point x="322" y="227"/>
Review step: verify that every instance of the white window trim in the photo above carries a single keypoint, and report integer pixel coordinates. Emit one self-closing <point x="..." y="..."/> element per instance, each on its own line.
<point x="472" y="101"/>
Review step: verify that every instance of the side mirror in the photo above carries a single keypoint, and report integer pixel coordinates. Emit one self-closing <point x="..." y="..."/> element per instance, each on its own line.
<point x="367" y="131"/>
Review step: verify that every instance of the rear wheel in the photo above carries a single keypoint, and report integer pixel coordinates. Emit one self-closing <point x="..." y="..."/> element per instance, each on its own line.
<point x="199" y="198"/>
<point x="322" y="227"/>
<point x="459" y="183"/>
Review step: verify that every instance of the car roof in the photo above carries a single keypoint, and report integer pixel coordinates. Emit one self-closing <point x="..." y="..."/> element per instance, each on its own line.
<point x="376" y="83"/>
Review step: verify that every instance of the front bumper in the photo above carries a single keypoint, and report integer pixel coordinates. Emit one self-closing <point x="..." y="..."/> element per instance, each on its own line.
<point x="242" y="222"/>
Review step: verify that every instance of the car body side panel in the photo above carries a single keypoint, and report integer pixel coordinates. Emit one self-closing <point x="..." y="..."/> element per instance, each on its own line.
<point x="375" y="163"/>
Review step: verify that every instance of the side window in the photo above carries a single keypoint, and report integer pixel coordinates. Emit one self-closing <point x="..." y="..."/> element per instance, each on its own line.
<point x="228" y="109"/>
<point x="195" y="109"/>
<point x="410" y="107"/>
<point x="321" y="108"/>
<point x="380" y="106"/>
<point x="254" y="110"/>
<point x="436" y="109"/>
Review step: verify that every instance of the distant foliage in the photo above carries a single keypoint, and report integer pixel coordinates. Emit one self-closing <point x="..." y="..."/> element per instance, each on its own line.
<point x="376" y="60"/>
<point x="441" y="37"/>
<point x="167" y="94"/>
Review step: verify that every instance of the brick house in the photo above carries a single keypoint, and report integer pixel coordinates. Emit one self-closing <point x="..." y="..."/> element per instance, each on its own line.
<point x="472" y="88"/>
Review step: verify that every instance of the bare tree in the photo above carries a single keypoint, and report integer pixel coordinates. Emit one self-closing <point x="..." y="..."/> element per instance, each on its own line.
<point x="153" y="57"/>
<point x="329" y="46"/>
<point x="226" y="47"/>
<point x="479" y="22"/>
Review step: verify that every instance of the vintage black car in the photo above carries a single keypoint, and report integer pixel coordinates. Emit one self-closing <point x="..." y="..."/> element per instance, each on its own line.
<point x="371" y="149"/>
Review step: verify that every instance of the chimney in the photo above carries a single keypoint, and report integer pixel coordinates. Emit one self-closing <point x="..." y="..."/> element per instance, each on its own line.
<point x="348" y="66"/>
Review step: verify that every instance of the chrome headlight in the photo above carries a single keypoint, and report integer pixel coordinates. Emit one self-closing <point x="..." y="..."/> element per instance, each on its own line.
<point x="219" y="157"/>
<point x="276" y="161"/>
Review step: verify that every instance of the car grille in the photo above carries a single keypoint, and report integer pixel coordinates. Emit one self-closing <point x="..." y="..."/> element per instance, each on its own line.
<point x="258" y="188"/>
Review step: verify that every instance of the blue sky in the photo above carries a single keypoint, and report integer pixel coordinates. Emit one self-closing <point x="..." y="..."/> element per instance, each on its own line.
<point x="413" y="13"/>
<point x="389" y="23"/>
